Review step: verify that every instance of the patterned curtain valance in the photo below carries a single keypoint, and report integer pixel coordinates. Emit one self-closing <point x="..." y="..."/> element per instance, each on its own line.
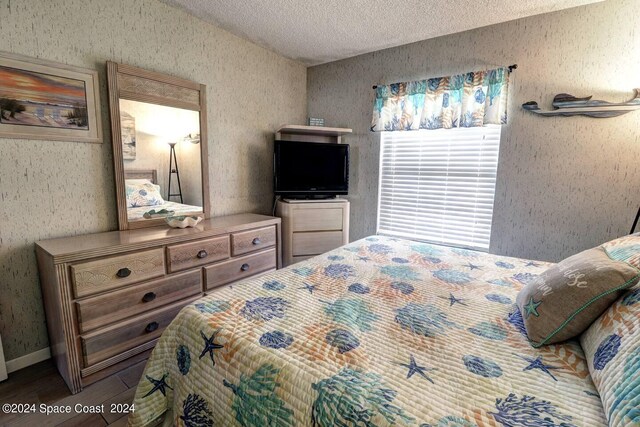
<point x="473" y="99"/>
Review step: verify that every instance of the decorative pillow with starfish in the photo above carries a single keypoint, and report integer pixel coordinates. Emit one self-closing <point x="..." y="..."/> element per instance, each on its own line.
<point x="564" y="300"/>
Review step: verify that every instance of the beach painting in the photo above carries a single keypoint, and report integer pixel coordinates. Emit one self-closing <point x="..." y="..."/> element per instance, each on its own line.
<point x="36" y="99"/>
<point x="44" y="100"/>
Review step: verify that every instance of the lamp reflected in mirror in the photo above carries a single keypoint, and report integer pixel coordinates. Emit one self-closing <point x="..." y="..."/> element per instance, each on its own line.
<point x="173" y="170"/>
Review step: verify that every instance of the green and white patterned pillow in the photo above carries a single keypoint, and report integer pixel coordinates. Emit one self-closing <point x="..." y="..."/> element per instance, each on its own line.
<point x="143" y="194"/>
<point x="612" y="348"/>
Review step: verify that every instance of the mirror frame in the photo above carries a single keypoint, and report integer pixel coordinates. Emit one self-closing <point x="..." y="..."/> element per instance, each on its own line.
<point x="136" y="84"/>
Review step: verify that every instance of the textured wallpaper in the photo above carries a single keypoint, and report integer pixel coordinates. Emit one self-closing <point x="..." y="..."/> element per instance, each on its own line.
<point x="564" y="184"/>
<point x="53" y="189"/>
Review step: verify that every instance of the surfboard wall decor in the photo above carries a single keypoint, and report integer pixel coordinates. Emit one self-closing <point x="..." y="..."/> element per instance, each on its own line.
<point x="565" y="104"/>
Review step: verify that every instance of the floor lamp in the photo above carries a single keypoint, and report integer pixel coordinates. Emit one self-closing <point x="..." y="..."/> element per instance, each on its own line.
<point x="635" y="222"/>
<point x="173" y="169"/>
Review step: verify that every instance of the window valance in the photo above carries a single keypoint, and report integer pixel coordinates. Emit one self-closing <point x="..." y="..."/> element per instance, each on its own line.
<point x="472" y="99"/>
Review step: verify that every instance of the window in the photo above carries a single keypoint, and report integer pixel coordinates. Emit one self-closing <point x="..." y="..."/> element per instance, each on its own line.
<point x="438" y="185"/>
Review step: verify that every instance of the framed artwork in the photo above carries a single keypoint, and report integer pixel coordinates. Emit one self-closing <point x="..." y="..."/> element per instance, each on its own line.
<point x="128" y="128"/>
<point x="47" y="100"/>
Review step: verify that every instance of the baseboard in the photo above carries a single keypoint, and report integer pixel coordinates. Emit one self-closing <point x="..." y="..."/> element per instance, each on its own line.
<point x="28" y="360"/>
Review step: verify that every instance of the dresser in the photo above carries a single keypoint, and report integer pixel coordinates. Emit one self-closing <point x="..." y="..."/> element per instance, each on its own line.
<point x="312" y="227"/>
<point x="109" y="296"/>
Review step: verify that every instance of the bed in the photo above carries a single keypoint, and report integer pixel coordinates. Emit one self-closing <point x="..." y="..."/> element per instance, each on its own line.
<point x="151" y="175"/>
<point x="385" y="332"/>
<point x="136" y="214"/>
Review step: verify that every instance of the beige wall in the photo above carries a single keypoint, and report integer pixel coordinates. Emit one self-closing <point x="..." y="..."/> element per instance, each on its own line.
<point x="50" y="189"/>
<point x="564" y="184"/>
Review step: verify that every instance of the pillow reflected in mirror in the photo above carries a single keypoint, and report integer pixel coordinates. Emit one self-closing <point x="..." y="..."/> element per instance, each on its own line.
<point x="144" y="194"/>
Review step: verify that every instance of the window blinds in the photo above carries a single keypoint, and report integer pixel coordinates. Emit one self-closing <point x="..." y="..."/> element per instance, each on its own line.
<point x="439" y="185"/>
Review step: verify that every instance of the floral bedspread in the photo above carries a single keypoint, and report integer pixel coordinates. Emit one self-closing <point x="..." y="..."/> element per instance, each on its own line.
<point x="379" y="332"/>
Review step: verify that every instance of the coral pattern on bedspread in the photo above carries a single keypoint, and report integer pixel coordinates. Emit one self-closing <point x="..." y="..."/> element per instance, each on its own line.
<point x="379" y="332"/>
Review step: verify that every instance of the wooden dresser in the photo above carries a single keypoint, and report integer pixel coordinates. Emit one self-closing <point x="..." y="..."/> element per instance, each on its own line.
<point x="312" y="227"/>
<point x="109" y="296"/>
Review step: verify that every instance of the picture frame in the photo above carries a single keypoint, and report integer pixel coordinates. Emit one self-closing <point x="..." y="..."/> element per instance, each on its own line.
<point x="47" y="100"/>
<point x="128" y="130"/>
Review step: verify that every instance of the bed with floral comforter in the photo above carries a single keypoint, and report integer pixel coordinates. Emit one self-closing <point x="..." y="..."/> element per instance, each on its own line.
<point x="137" y="213"/>
<point x="380" y="332"/>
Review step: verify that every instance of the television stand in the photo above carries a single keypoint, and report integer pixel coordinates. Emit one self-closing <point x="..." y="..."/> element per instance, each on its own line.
<point x="312" y="227"/>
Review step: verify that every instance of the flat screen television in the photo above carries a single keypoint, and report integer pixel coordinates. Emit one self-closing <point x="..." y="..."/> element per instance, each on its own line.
<point x="310" y="169"/>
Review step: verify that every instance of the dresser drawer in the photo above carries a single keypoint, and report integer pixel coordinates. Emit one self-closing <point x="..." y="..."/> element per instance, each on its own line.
<point x="317" y="242"/>
<point x="123" y="336"/>
<point x="115" y="306"/>
<point x="108" y="273"/>
<point x="239" y="268"/>
<point x="252" y="240"/>
<point x="317" y="219"/>
<point x="188" y="255"/>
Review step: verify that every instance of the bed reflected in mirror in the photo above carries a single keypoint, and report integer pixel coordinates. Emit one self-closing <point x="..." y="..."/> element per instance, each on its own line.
<point x="161" y="158"/>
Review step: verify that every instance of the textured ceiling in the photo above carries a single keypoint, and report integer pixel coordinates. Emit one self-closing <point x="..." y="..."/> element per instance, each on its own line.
<point x="315" y="32"/>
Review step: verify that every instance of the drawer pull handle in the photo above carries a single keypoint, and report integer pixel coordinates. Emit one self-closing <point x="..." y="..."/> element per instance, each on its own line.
<point x="245" y="267"/>
<point x="123" y="272"/>
<point x="149" y="296"/>
<point x="151" y="327"/>
<point x="202" y="254"/>
<point x="256" y="241"/>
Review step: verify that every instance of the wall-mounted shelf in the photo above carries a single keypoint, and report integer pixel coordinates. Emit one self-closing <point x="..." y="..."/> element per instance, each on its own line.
<point x="311" y="133"/>
<point x="565" y="104"/>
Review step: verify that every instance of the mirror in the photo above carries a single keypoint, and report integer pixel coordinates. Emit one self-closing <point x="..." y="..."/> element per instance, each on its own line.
<point x="160" y="146"/>
<point x="158" y="125"/>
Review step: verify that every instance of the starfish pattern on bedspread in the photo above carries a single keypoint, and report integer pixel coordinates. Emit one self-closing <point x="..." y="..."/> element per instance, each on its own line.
<point x="453" y="300"/>
<point x="210" y="345"/>
<point x="414" y="368"/>
<point x="309" y="287"/>
<point x="160" y="384"/>
<point x="538" y="363"/>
